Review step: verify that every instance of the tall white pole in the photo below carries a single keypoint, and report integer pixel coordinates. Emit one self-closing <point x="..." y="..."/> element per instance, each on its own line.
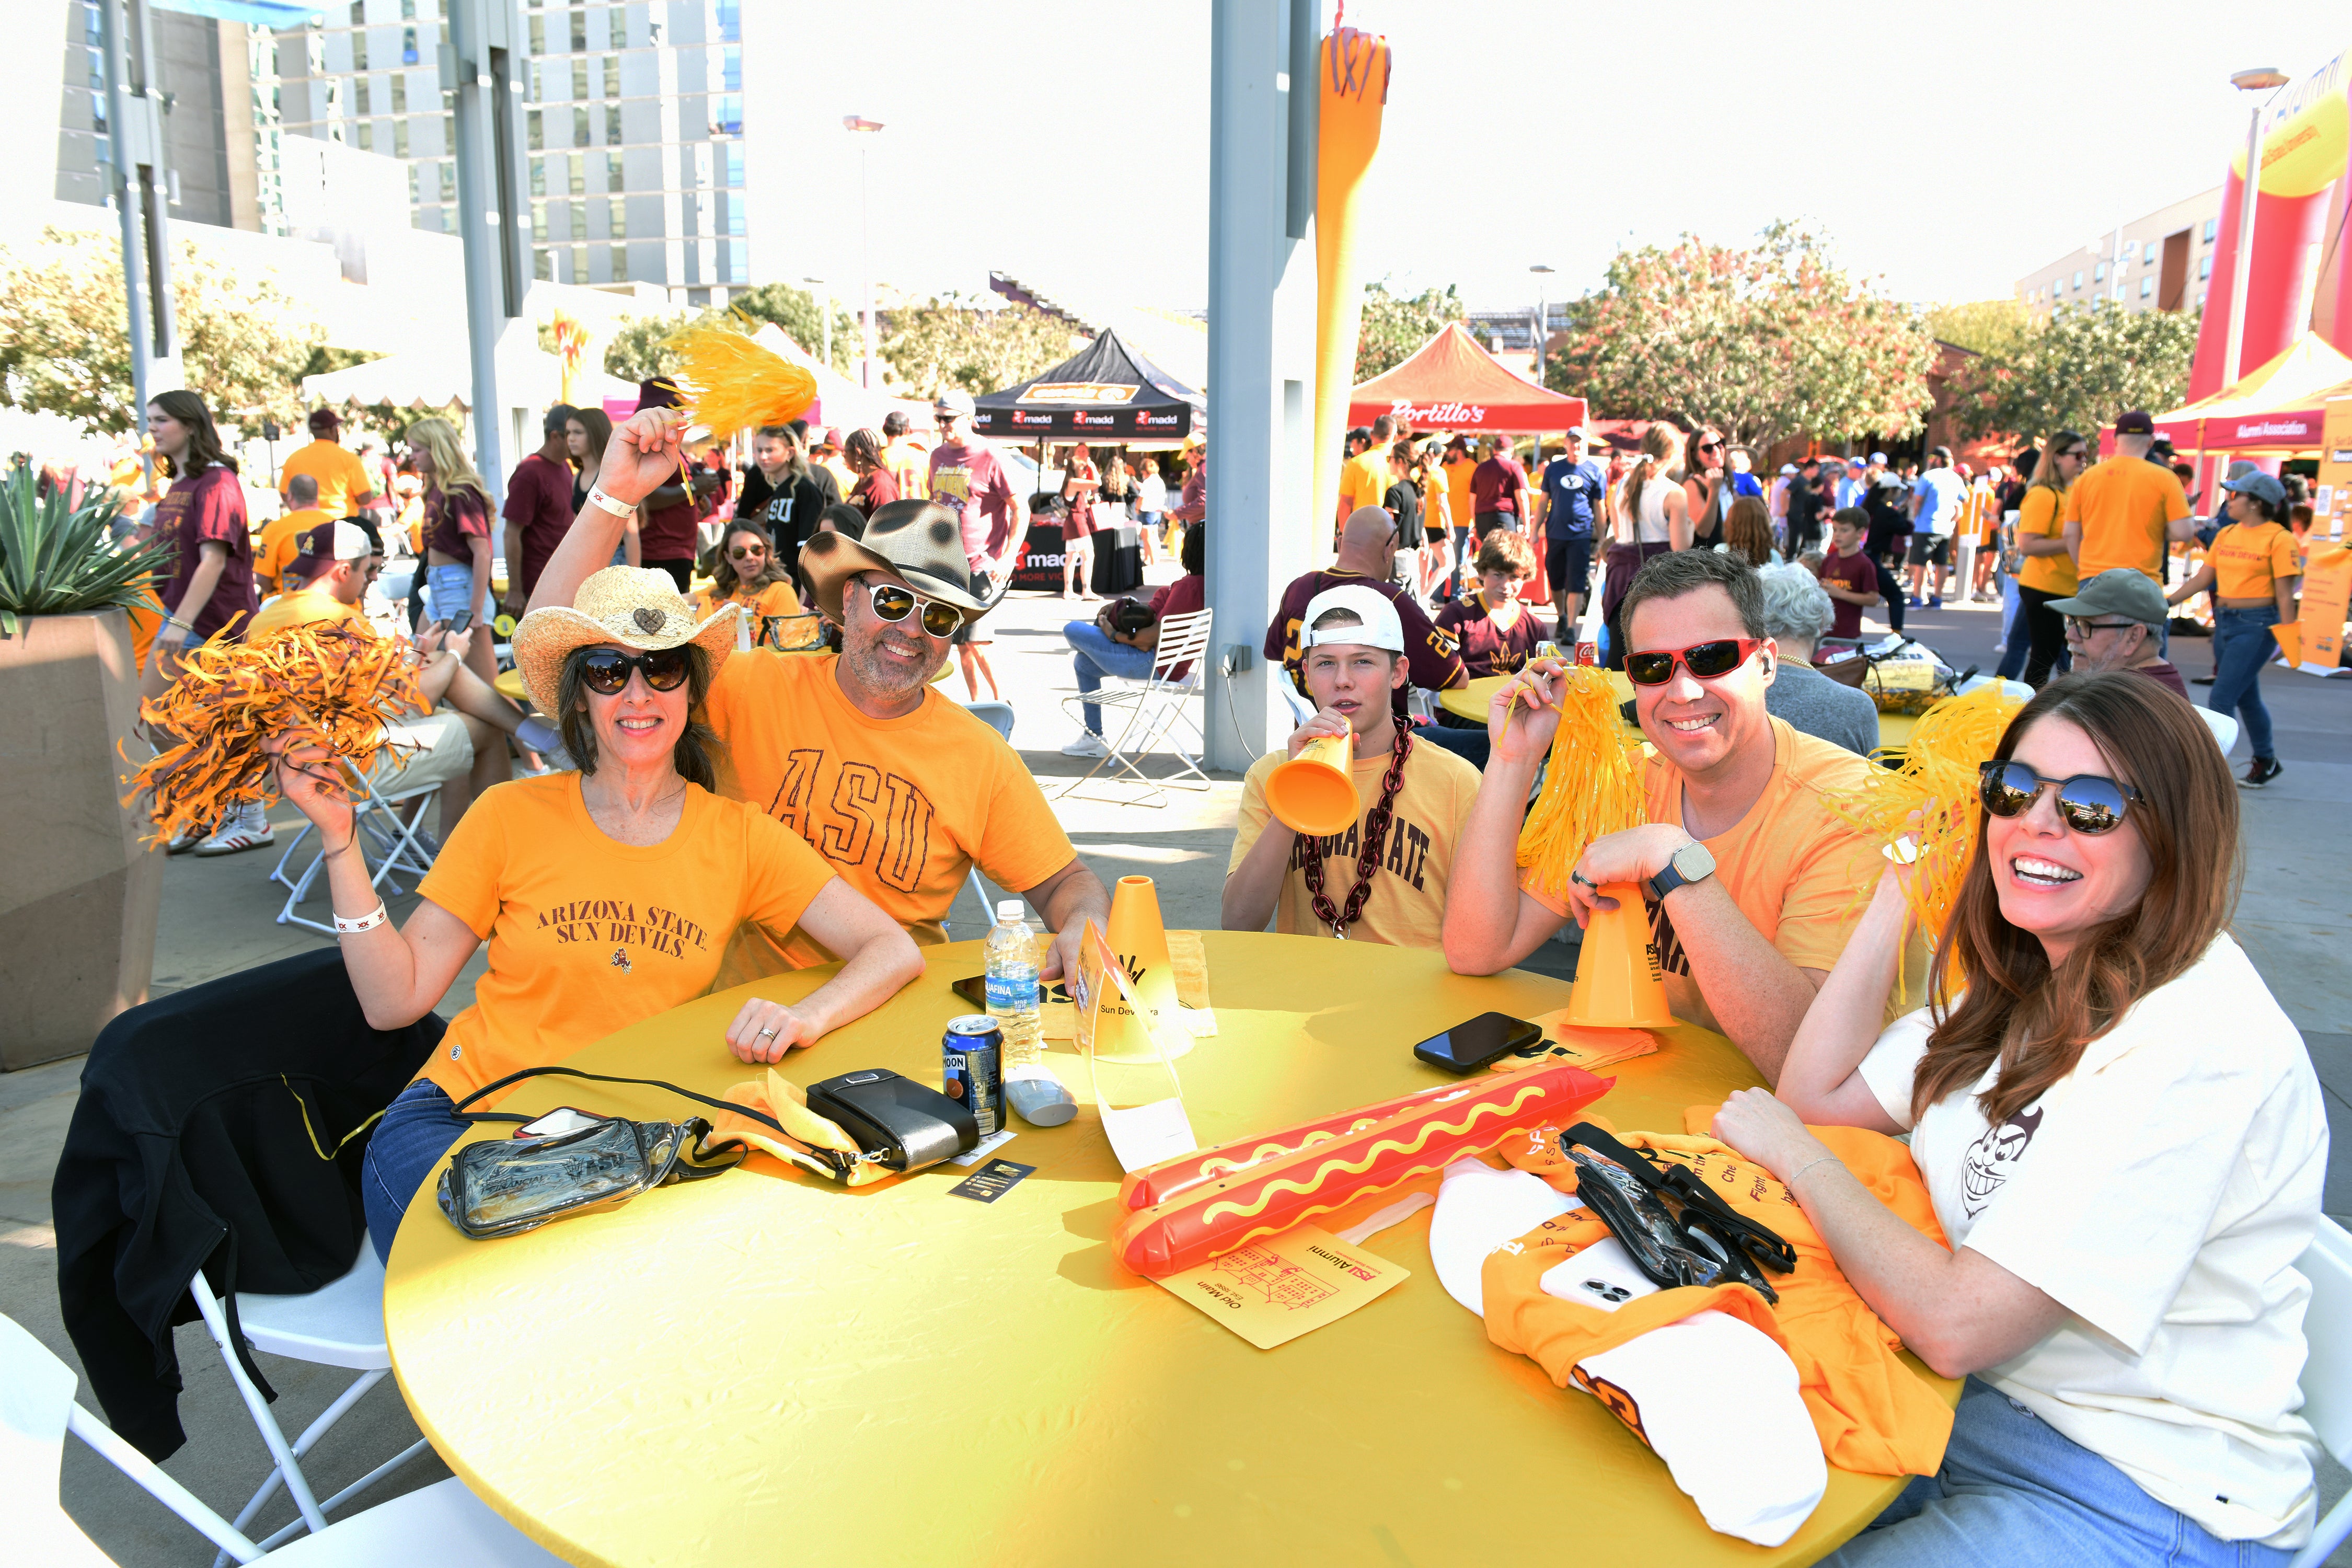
<point x="866" y="265"/>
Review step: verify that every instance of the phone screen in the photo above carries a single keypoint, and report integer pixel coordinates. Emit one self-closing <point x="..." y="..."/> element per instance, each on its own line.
<point x="973" y="990"/>
<point x="460" y="621"/>
<point x="1474" y="1043"/>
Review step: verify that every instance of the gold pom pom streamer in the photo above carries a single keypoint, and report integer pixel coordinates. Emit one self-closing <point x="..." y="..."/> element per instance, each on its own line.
<point x="1592" y="786"/>
<point x="230" y="697"/>
<point x="1931" y="799"/>
<point x="732" y="384"/>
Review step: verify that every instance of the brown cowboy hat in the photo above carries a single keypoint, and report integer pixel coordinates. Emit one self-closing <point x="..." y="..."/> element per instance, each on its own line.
<point x="920" y="542"/>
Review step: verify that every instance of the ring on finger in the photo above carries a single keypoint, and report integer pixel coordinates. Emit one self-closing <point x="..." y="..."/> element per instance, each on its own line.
<point x="1579" y="877"/>
<point x="765" y="1033"/>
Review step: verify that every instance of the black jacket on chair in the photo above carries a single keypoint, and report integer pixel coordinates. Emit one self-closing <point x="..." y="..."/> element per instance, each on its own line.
<point x="210" y="1133"/>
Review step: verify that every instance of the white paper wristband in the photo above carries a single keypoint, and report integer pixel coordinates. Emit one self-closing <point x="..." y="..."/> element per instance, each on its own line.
<point x="620" y="509"/>
<point x="368" y="922"/>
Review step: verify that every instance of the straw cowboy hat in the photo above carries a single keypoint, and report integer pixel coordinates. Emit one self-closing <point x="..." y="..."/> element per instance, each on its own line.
<point x="638" y="607"/>
<point x="921" y="542"/>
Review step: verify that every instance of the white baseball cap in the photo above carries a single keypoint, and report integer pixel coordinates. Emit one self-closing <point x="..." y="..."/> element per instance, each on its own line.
<point x="1377" y="626"/>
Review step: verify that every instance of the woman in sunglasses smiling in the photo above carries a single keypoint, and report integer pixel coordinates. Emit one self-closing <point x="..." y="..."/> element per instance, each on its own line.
<point x="606" y="896"/>
<point x="2124" y="1142"/>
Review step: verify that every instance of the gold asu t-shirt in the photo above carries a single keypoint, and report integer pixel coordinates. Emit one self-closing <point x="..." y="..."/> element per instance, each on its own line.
<point x="1406" y="906"/>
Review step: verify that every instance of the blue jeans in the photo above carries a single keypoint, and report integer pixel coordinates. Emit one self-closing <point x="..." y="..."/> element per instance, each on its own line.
<point x="417" y="1129"/>
<point x="1096" y="656"/>
<point x="444" y="593"/>
<point x="2015" y="1493"/>
<point x="2014" y="640"/>
<point x="2242" y="644"/>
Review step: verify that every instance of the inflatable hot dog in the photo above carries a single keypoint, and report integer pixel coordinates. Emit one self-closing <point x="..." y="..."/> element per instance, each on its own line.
<point x="1160" y="1183"/>
<point x="1206" y="1219"/>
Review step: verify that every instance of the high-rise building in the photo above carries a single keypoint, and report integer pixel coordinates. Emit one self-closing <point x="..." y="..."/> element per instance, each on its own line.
<point x="633" y="123"/>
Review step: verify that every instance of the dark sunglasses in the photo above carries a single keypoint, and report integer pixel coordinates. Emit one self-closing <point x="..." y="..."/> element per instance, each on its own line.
<point x="2077" y="623"/>
<point x="607" y="672"/>
<point x="894" y="603"/>
<point x="745" y="552"/>
<point x="1705" y="660"/>
<point x="1710" y="445"/>
<point x="2086" y="803"/>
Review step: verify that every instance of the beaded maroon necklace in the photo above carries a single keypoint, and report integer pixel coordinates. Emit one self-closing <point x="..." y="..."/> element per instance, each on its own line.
<point x="1367" y="852"/>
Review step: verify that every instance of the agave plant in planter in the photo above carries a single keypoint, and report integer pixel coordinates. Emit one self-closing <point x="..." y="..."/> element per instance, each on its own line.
<point x="78" y="894"/>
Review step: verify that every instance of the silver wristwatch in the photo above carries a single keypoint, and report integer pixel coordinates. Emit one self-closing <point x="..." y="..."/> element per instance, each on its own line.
<point x="1691" y="863"/>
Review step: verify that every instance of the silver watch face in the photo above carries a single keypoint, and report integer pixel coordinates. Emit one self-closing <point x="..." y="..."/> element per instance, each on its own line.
<point x="1694" y="862"/>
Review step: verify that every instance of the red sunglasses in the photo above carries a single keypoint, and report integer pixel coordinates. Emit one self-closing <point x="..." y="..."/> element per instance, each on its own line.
<point x="1705" y="660"/>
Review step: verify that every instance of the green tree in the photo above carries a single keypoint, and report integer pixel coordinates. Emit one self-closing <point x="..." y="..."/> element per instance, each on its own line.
<point x="64" y="343"/>
<point x="946" y="343"/>
<point x="2077" y="372"/>
<point x="640" y="349"/>
<point x="1980" y="326"/>
<point x="1766" y="342"/>
<point x="1394" y="326"/>
<point x="801" y="317"/>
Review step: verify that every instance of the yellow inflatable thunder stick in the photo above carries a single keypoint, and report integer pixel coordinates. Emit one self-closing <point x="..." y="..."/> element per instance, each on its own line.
<point x="571" y="346"/>
<point x="732" y="384"/>
<point x="1590" y="788"/>
<point x="1929" y="806"/>
<point x="1355" y="89"/>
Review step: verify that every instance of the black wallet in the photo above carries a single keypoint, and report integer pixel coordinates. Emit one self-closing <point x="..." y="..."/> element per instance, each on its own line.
<point x="908" y="1126"/>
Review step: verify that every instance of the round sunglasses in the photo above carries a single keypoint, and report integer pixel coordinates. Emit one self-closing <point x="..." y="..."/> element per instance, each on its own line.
<point x="894" y="603"/>
<point x="607" y="672"/>
<point x="2086" y="803"/>
<point x="1705" y="660"/>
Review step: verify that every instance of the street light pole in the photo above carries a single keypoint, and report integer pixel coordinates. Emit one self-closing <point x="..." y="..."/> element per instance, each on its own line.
<point x="865" y="245"/>
<point x="1543" y="318"/>
<point x="2261" y="81"/>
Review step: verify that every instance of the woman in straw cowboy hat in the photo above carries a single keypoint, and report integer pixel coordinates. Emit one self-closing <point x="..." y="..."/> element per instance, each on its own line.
<point x="606" y="896"/>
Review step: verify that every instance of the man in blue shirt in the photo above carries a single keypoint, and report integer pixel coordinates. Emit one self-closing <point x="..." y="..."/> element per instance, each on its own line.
<point x="1937" y="497"/>
<point x="1574" y="491"/>
<point x="1854" y="483"/>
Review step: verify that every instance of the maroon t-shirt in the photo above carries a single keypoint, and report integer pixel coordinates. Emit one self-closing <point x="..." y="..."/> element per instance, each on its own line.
<point x="1486" y="650"/>
<point x="1429" y="651"/>
<point x="974" y="484"/>
<point x="1185" y="596"/>
<point x="453" y="517"/>
<point x="878" y="489"/>
<point x="1856" y="574"/>
<point x="1495" y="484"/>
<point x="539" y="502"/>
<point x="2163" y="674"/>
<point x="198" y="507"/>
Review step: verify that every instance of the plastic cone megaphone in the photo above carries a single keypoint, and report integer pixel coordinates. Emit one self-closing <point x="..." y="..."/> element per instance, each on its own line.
<point x="1140" y="938"/>
<point x="1619" y="985"/>
<point x="1314" y="793"/>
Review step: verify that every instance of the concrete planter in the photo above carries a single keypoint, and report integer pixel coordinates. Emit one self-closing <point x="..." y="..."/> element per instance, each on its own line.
<point x="78" y="894"/>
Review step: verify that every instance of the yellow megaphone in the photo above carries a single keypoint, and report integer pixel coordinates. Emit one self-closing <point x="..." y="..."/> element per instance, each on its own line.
<point x="1619" y="984"/>
<point x="1314" y="792"/>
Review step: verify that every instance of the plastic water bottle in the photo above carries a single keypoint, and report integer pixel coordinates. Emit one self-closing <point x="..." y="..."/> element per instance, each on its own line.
<point x="1013" y="984"/>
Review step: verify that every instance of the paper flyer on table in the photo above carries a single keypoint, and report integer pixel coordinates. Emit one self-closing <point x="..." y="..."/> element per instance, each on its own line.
<point x="1280" y="1286"/>
<point x="1143" y="1134"/>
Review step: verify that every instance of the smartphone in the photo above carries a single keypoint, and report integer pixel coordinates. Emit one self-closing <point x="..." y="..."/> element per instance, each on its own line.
<point x="1471" y="1044"/>
<point x="562" y="1118"/>
<point x="460" y="621"/>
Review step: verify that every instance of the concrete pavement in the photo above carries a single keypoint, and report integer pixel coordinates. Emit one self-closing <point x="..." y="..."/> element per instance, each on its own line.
<point x="2296" y="918"/>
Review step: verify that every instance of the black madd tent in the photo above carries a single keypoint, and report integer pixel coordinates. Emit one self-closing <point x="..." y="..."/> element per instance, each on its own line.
<point x="1106" y="392"/>
<point x="1106" y="395"/>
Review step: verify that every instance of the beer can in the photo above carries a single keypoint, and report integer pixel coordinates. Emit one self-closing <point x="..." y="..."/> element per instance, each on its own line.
<point x="971" y="1069"/>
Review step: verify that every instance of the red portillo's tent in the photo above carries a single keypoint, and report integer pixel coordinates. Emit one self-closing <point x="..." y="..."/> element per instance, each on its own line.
<point x="1452" y="384"/>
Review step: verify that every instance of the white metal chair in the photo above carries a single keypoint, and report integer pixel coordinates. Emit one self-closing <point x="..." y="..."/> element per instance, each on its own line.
<point x="340" y="1325"/>
<point x="2328" y="1375"/>
<point x="443" y="1524"/>
<point x="1154" y="709"/>
<point x="394" y="827"/>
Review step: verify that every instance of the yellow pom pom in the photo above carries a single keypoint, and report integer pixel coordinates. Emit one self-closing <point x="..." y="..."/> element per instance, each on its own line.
<point x="1931" y="799"/>
<point x="732" y="384"/>
<point x="1590" y="784"/>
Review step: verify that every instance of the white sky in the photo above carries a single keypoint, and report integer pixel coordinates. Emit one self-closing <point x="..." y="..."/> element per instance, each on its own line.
<point x="1951" y="149"/>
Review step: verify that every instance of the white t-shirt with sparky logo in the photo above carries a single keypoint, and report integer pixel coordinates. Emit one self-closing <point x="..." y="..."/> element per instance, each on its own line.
<point x="2161" y="1193"/>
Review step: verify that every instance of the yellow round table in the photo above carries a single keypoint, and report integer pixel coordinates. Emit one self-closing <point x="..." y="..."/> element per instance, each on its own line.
<point x="1470" y="702"/>
<point x="762" y="1368"/>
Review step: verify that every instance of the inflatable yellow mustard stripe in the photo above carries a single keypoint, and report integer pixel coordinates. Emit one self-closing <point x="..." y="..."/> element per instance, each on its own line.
<point x="1209" y="1219"/>
<point x="1354" y="90"/>
<point x="1160" y="1183"/>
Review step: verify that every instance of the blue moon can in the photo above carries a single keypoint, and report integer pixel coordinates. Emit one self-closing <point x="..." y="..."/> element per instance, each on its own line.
<point x="971" y="1069"/>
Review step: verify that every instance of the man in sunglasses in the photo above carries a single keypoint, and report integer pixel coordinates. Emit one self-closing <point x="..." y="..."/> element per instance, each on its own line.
<point x="1749" y="877"/>
<point x="2112" y="623"/>
<point x="903" y="791"/>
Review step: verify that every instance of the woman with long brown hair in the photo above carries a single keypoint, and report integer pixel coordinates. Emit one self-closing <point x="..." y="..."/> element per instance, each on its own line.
<point x="1747" y="533"/>
<point x="457" y="532"/>
<point x="1648" y="517"/>
<point x="584" y="434"/>
<point x="749" y="573"/>
<point x="2124" y="1144"/>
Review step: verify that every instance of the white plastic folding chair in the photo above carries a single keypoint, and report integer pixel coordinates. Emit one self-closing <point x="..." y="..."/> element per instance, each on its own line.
<point x="1154" y="709"/>
<point x="2223" y="725"/>
<point x="443" y="1524"/>
<point x="997" y="716"/>
<point x="392" y="825"/>
<point x="339" y="1324"/>
<point x="2327" y="1373"/>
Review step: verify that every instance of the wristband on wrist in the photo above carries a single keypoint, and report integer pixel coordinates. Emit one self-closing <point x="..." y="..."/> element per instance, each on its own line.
<point x="597" y="496"/>
<point x="368" y="922"/>
<point x="1791" y="1184"/>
